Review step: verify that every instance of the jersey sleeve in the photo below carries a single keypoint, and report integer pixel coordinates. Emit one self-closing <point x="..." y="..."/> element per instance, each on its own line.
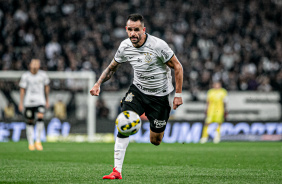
<point x="46" y="80"/>
<point x="165" y="51"/>
<point x="23" y="81"/>
<point x="120" y="55"/>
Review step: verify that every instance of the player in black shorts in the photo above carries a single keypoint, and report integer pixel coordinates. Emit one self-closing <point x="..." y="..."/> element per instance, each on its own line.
<point x="152" y="60"/>
<point x="34" y="91"/>
<point x="156" y="108"/>
<point x="30" y="112"/>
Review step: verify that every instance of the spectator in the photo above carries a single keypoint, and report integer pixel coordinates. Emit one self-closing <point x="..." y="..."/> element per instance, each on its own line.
<point x="53" y="48"/>
<point x="220" y="36"/>
<point x="264" y="84"/>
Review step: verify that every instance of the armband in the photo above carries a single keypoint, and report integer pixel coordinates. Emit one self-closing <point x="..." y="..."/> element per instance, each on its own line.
<point x="178" y="95"/>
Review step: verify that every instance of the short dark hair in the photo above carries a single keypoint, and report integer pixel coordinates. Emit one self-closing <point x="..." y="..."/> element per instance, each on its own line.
<point x="136" y="17"/>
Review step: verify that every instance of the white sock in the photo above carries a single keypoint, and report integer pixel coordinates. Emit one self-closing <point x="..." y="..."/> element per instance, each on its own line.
<point x="30" y="134"/>
<point x="39" y="129"/>
<point x="120" y="148"/>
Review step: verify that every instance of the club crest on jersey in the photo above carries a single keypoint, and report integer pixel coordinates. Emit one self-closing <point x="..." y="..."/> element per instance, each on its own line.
<point x="148" y="57"/>
<point x="129" y="97"/>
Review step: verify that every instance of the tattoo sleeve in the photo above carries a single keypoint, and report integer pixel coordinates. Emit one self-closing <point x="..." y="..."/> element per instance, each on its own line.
<point x="108" y="72"/>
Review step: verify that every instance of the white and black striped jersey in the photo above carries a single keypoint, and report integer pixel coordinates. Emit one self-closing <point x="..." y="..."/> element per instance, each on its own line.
<point x="34" y="86"/>
<point x="151" y="75"/>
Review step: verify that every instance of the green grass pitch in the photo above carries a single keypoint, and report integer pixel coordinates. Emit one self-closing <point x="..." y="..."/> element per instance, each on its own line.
<point x="227" y="162"/>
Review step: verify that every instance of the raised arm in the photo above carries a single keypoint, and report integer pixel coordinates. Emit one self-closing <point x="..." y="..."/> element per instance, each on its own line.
<point x="178" y="71"/>
<point x="106" y="75"/>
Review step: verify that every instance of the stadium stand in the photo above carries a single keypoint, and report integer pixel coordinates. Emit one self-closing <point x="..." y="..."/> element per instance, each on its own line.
<point x="238" y="42"/>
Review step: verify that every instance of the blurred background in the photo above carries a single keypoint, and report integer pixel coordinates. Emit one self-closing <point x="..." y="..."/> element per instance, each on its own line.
<point x="236" y="42"/>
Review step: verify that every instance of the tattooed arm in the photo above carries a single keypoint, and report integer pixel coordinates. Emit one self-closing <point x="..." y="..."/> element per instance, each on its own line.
<point x="106" y="75"/>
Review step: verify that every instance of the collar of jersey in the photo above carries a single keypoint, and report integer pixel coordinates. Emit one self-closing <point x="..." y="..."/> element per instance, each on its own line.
<point x="144" y="41"/>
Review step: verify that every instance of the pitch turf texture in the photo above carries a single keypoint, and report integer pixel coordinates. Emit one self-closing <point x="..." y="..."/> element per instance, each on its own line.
<point x="233" y="162"/>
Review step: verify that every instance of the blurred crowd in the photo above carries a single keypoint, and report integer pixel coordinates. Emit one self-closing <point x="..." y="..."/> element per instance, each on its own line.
<point x="237" y="42"/>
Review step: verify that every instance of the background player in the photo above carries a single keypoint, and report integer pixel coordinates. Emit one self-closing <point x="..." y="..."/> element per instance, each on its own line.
<point x="34" y="90"/>
<point x="151" y="59"/>
<point x="216" y="111"/>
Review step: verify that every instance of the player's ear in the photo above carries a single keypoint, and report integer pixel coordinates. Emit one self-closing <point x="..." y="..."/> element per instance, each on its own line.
<point x="144" y="29"/>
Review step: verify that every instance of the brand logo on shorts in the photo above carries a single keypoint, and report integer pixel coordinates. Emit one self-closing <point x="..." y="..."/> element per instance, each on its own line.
<point x="129" y="97"/>
<point x="159" y="123"/>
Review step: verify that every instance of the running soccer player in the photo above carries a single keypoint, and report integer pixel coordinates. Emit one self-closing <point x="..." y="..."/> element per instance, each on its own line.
<point x="215" y="112"/>
<point x="151" y="59"/>
<point x="34" y="90"/>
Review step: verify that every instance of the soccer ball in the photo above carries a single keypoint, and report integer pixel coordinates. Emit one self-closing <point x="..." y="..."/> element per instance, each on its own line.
<point x="128" y="123"/>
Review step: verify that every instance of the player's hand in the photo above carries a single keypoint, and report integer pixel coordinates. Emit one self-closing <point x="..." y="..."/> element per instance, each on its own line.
<point x="21" y="107"/>
<point x="95" y="91"/>
<point x="177" y="101"/>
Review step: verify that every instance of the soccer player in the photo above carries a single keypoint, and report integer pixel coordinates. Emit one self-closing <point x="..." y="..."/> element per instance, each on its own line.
<point x="215" y="111"/>
<point x="151" y="59"/>
<point x="34" y="90"/>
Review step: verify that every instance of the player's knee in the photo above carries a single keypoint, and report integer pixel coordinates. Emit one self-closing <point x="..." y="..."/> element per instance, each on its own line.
<point x="155" y="142"/>
<point x="40" y="116"/>
<point x="30" y="122"/>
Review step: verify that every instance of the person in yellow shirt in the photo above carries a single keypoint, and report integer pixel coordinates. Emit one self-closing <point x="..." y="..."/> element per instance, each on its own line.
<point x="60" y="110"/>
<point x="215" y="111"/>
<point x="9" y="111"/>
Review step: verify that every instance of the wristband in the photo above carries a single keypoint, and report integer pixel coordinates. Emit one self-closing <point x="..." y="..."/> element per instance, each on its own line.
<point x="178" y="95"/>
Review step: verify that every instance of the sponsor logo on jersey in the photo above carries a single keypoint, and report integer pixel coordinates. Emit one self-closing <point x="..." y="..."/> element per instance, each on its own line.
<point x="146" y="77"/>
<point x="129" y="97"/>
<point x="159" y="123"/>
<point x="165" y="54"/>
<point x="148" y="57"/>
<point x="140" y="76"/>
<point x="139" y="60"/>
<point x="146" y="89"/>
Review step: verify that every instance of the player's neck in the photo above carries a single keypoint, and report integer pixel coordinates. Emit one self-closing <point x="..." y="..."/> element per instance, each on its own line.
<point x="142" y="41"/>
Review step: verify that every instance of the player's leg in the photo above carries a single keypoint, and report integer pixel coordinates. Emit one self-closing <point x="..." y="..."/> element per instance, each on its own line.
<point x="218" y="120"/>
<point x="205" y="134"/>
<point x="39" y="127"/>
<point x="156" y="138"/>
<point x="121" y="144"/>
<point x="157" y="110"/>
<point x="131" y="101"/>
<point x="29" y="115"/>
